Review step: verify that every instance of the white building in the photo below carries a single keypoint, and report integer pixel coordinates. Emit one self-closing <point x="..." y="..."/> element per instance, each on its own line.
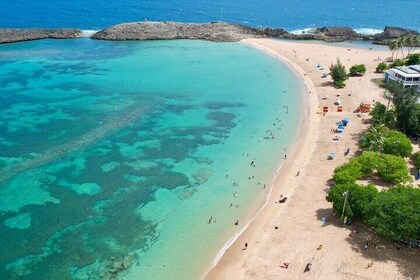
<point x="408" y="76"/>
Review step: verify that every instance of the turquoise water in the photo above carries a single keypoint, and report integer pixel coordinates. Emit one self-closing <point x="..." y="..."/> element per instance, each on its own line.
<point x="115" y="155"/>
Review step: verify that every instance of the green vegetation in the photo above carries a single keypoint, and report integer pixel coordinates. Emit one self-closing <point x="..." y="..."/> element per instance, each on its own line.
<point x="397" y="144"/>
<point x="397" y="63"/>
<point x="338" y="74"/>
<point x="410" y="42"/>
<point x="389" y="168"/>
<point x="373" y="139"/>
<point x="393" y="213"/>
<point x="381" y="115"/>
<point x="406" y="107"/>
<point x="381" y="67"/>
<point x="405" y="113"/>
<point x="358" y="199"/>
<point x="417" y="162"/>
<point x="413" y="59"/>
<point x="379" y="138"/>
<point x="357" y="70"/>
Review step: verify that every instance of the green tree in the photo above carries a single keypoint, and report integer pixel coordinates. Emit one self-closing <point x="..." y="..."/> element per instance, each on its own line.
<point x="348" y="173"/>
<point x="338" y="74"/>
<point x="382" y="66"/>
<point x="397" y="144"/>
<point x="395" y="213"/>
<point x="393" y="169"/>
<point x="413" y="59"/>
<point x="382" y="116"/>
<point x="373" y="139"/>
<point x="359" y="198"/>
<point x="357" y="70"/>
<point x="407" y="110"/>
<point x="392" y="47"/>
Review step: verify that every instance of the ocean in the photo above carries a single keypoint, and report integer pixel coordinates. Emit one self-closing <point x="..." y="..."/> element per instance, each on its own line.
<point x="135" y="159"/>
<point x="366" y="16"/>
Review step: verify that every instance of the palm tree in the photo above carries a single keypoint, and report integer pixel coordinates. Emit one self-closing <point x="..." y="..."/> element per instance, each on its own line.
<point x="373" y="139"/>
<point x="392" y="47"/>
<point x="400" y="44"/>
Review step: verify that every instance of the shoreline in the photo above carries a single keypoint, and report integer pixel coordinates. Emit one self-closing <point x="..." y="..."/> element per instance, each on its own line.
<point x="309" y="105"/>
<point x="299" y="231"/>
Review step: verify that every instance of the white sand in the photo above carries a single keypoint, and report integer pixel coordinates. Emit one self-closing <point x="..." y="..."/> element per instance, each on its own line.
<point x="300" y="230"/>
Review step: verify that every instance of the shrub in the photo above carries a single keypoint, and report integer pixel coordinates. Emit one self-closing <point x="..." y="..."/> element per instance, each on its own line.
<point x="338" y="74"/>
<point x="397" y="144"/>
<point x="357" y="70"/>
<point x="381" y="67"/>
<point x="393" y="169"/>
<point x="348" y="173"/>
<point x="397" y="63"/>
<point x="359" y="198"/>
<point x="395" y="213"/>
<point x="413" y="59"/>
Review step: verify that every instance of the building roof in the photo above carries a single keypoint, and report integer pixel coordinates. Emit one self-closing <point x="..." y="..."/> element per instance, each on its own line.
<point x="410" y="71"/>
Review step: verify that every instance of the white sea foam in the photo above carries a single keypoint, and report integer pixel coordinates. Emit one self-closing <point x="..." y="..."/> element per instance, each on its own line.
<point x="364" y="31"/>
<point x="88" y="33"/>
<point x="301" y="31"/>
<point x="368" y="31"/>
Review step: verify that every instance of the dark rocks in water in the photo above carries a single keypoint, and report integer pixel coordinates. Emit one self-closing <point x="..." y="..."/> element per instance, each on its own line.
<point x="11" y="35"/>
<point x="338" y="31"/>
<point x="213" y="31"/>
<point x="273" y="32"/>
<point x="328" y="34"/>
<point x="392" y="33"/>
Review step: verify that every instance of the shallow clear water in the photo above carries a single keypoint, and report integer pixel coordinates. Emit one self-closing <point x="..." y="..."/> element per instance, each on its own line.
<point x="287" y="14"/>
<point x="114" y="155"/>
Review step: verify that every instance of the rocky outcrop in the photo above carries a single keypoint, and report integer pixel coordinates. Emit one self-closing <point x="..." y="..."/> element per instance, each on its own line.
<point x="11" y="35"/>
<point x="273" y="32"/>
<point x="213" y="31"/>
<point x="392" y="33"/>
<point x="328" y="34"/>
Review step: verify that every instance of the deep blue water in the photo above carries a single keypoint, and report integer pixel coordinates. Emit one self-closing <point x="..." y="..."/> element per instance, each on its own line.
<point x="288" y="14"/>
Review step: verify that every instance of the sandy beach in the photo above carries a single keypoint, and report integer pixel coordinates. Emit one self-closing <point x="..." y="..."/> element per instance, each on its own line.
<point x="293" y="232"/>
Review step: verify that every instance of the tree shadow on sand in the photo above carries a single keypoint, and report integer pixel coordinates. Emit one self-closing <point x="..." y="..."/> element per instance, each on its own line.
<point x="379" y="249"/>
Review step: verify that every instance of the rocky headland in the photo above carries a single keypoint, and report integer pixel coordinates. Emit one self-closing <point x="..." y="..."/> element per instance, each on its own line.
<point x="229" y="32"/>
<point x="211" y="31"/>
<point x="12" y="35"/>
<point x="148" y="30"/>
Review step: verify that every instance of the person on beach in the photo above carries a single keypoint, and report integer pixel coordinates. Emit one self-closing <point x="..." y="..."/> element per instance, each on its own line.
<point x="246" y="246"/>
<point x="237" y="223"/>
<point x="297" y="174"/>
<point x="285" y="265"/>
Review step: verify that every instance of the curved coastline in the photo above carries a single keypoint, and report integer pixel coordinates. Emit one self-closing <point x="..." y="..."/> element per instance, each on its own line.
<point x="308" y="125"/>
